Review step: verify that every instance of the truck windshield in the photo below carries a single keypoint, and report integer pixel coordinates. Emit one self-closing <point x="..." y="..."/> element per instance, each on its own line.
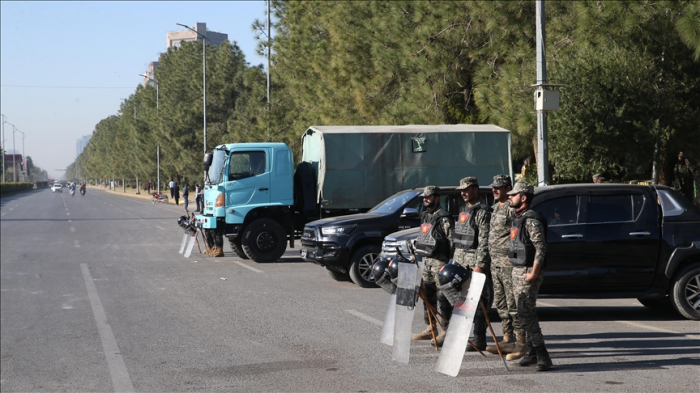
<point x="217" y="165"/>
<point x="395" y="202"/>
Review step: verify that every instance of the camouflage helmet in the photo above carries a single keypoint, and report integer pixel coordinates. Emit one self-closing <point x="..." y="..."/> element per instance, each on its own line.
<point x="501" y="181"/>
<point x="467" y="182"/>
<point x="430" y="190"/>
<point x="522" y="186"/>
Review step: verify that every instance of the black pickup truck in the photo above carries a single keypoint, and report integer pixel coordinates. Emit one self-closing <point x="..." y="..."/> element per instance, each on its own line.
<point x="348" y="246"/>
<point x="617" y="241"/>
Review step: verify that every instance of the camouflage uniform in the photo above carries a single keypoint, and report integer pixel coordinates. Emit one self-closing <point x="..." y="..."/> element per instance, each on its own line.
<point x="435" y="262"/>
<point x="477" y="257"/>
<point x="501" y="269"/>
<point x="444" y="225"/>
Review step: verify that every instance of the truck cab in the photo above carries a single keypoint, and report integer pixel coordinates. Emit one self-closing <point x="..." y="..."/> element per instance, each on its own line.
<point x="248" y="196"/>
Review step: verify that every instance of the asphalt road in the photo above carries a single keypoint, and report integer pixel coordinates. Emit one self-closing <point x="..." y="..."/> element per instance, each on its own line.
<point x="96" y="298"/>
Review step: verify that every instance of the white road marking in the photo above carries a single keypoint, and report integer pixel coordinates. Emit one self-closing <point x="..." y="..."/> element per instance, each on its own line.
<point x="12" y="208"/>
<point x="76" y="244"/>
<point x="367" y="318"/>
<point x="142" y="219"/>
<point x="72" y="229"/>
<point x="117" y="369"/>
<point x="68" y="214"/>
<point x="248" y="267"/>
<point x="70" y="220"/>
<point x="160" y="227"/>
<point x="3" y="214"/>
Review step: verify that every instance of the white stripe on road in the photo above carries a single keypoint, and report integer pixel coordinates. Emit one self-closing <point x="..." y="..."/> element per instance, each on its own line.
<point x="630" y="323"/>
<point x="247" y="267"/>
<point x="68" y="214"/>
<point x="367" y="318"/>
<point x="72" y="229"/>
<point x="12" y="208"/>
<point x="120" y="375"/>
<point x="76" y="244"/>
<point x="70" y="220"/>
<point x="160" y="227"/>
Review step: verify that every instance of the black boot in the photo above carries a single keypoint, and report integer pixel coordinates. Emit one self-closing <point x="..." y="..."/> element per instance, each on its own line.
<point x="544" y="363"/>
<point x="479" y="334"/>
<point x="530" y="356"/>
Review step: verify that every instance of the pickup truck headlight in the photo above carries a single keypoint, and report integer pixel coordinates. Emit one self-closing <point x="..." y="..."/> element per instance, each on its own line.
<point x="337" y="230"/>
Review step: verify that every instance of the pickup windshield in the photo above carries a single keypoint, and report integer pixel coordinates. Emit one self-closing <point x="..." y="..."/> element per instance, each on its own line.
<point x="217" y="165"/>
<point x="395" y="202"/>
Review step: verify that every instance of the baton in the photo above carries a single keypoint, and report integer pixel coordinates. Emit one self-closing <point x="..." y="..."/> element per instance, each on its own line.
<point x="488" y="322"/>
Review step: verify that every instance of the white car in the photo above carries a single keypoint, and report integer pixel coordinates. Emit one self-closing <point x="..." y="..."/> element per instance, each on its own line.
<point x="57" y="187"/>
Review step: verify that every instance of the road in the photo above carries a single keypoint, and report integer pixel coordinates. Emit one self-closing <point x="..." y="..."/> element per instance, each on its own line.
<point x="96" y="298"/>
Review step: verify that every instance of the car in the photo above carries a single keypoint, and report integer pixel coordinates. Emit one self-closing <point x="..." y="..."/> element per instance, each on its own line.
<point x="57" y="187"/>
<point x="616" y="241"/>
<point x="348" y="246"/>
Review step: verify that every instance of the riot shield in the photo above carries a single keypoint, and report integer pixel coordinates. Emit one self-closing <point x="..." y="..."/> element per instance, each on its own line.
<point x="452" y="353"/>
<point x="387" y="335"/>
<point x="408" y="281"/>
<point x="193" y="238"/>
<point x="184" y="241"/>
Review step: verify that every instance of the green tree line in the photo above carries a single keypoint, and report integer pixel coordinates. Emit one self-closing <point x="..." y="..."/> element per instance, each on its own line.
<point x="631" y="70"/>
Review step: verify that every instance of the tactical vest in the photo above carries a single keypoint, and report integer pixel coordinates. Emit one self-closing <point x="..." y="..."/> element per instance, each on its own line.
<point x="522" y="251"/>
<point x="430" y="237"/>
<point x="466" y="232"/>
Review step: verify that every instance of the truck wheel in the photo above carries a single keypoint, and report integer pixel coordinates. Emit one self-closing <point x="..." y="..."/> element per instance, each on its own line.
<point x="338" y="276"/>
<point x="685" y="293"/>
<point x="264" y="240"/>
<point x="361" y="265"/>
<point x="235" y="244"/>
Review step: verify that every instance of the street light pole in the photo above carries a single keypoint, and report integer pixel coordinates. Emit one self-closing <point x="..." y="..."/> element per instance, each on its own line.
<point x="14" y="155"/>
<point x="4" y="148"/>
<point x="23" y="157"/>
<point x="157" y="94"/>
<point x="204" y="73"/>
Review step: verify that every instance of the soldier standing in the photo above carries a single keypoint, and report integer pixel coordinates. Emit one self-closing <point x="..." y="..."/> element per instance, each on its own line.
<point x="502" y="270"/>
<point x="471" y="244"/>
<point x="683" y="177"/>
<point x="528" y="247"/>
<point x="435" y="243"/>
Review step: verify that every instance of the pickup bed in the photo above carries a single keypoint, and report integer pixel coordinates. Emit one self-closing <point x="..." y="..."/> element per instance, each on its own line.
<point x="617" y="241"/>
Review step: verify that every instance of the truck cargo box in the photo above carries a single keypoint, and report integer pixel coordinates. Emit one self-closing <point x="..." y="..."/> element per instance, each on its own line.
<point x="356" y="167"/>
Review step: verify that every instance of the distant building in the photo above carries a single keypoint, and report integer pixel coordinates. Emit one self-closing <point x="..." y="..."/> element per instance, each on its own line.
<point x="175" y="38"/>
<point x="81" y="143"/>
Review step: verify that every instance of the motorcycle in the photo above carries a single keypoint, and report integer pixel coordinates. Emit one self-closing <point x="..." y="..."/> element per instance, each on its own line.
<point x="82" y="191"/>
<point x="72" y="192"/>
<point x="159" y="198"/>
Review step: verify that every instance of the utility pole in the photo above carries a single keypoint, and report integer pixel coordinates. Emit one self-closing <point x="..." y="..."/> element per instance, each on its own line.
<point x="545" y="100"/>
<point x="268" y="71"/>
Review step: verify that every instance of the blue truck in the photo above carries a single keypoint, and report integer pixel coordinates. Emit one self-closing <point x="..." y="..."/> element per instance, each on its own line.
<point x="257" y="198"/>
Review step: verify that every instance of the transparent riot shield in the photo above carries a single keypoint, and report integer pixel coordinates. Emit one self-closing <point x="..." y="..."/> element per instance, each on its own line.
<point x="452" y="353"/>
<point x="387" y="335"/>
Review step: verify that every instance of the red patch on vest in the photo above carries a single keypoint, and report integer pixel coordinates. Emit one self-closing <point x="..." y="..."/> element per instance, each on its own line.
<point x="513" y="233"/>
<point x="425" y="228"/>
<point x="463" y="217"/>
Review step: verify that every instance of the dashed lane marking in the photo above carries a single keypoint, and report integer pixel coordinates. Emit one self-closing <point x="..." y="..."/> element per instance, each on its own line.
<point x="72" y="229"/>
<point x="76" y="244"/>
<point x="248" y="267"/>
<point x="117" y="368"/>
<point x="160" y="228"/>
<point x="367" y="318"/>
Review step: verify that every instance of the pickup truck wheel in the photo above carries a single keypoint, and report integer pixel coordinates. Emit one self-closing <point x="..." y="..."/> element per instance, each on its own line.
<point x="235" y="244"/>
<point x="686" y="292"/>
<point x="361" y="265"/>
<point x="338" y="276"/>
<point x="264" y="240"/>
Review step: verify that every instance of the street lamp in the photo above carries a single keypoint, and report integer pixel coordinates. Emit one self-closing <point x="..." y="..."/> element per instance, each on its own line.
<point x="23" y="157"/>
<point x="157" y="94"/>
<point x="204" y="72"/>
<point x="14" y="154"/>
<point x="4" y="120"/>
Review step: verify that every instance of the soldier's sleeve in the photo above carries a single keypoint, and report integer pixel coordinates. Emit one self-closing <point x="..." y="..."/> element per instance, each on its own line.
<point x="483" y="222"/>
<point x="535" y="231"/>
<point x="448" y="227"/>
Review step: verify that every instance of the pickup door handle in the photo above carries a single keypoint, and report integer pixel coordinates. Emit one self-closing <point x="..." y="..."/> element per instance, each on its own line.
<point x="262" y="188"/>
<point x="640" y="233"/>
<point x="572" y="236"/>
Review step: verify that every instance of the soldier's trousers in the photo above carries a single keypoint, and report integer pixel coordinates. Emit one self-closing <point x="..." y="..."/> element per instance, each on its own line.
<point x="526" y="299"/>
<point x="466" y="258"/>
<point x="433" y="295"/>
<point x="504" y="300"/>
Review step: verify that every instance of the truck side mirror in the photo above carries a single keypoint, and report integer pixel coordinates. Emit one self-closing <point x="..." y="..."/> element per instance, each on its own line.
<point x="207" y="160"/>
<point x="409" y="212"/>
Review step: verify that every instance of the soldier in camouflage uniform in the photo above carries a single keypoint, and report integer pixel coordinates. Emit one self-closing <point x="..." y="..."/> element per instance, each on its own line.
<point x="471" y="244"/>
<point x="501" y="270"/>
<point x="435" y="243"/>
<point x="527" y="250"/>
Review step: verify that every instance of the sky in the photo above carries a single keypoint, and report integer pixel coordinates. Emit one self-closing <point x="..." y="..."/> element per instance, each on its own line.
<point x="65" y="66"/>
